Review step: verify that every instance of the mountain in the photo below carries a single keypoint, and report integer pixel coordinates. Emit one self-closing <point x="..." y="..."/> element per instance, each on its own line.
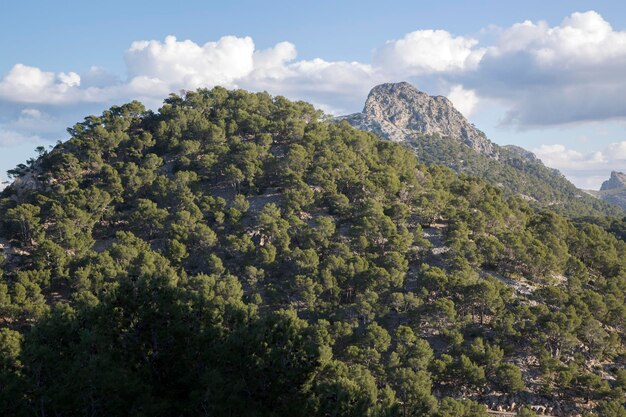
<point x="613" y="190"/>
<point x="237" y="254"/>
<point x="440" y="135"/>
<point x="616" y="181"/>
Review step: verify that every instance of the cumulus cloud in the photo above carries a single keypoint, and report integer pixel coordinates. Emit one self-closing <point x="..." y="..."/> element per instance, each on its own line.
<point x="464" y="100"/>
<point x="186" y="64"/>
<point x="27" y="84"/>
<point x="428" y="51"/>
<point x="31" y="85"/>
<point x="272" y="63"/>
<point x="542" y="74"/>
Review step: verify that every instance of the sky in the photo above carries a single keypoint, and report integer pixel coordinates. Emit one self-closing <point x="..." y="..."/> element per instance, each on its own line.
<point x="547" y="76"/>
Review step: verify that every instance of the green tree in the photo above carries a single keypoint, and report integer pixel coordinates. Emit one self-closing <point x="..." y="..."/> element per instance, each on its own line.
<point x="24" y="220"/>
<point x="509" y="378"/>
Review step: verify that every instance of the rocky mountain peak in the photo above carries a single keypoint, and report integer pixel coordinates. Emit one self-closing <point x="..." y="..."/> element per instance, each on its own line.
<point x="395" y="97"/>
<point x="616" y="181"/>
<point x="398" y="110"/>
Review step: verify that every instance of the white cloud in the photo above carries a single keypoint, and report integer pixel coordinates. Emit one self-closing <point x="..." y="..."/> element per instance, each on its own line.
<point x="428" y="51"/>
<point x="316" y="75"/>
<point x="157" y="68"/>
<point x="70" y="79"/>
<point x="28" y="84"/>
<point x="272" y="63"/>
<point x="33" y="121"/>
<point x="185" y="64"/>
<point x="336" y="86"/>
<point x="464" y="100"/>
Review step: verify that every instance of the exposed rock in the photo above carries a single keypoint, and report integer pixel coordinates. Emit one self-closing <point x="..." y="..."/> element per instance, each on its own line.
<point x="617" y="181"/>
<point x="613" y="190"/>
<point x="28" y="181"/>
<point x="396" y="110"/>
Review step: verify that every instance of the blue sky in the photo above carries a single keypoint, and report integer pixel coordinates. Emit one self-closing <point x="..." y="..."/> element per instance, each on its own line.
<point x="553" y="85"/>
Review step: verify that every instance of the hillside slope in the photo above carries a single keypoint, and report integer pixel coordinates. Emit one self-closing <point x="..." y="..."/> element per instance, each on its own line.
<point x="440" y="135"/>
<point x="234" y="254"/>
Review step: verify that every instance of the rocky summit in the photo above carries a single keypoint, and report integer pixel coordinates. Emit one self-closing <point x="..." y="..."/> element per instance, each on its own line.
<point x="396" y="110"/>
<point x="617" y="181"/>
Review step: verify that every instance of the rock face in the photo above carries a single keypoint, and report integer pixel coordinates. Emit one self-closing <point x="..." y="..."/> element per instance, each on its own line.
<point x="617" y="181"/>
<point x="398" y="109"/>
<point x="613" y="190"/>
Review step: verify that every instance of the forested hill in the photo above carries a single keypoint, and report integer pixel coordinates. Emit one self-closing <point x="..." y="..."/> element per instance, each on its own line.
<point x="440" y="135"/>
<point x="235" y="254"/>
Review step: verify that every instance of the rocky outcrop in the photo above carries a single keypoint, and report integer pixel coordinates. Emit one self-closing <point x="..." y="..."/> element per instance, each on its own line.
<point x="396" y="110"/>
<point x="26" y="183"/>
<point x="617" y="181"/>
<point x="613" y="190"/>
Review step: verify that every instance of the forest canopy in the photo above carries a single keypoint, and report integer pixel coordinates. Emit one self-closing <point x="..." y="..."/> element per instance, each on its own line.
<point x="238" y="254"/>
